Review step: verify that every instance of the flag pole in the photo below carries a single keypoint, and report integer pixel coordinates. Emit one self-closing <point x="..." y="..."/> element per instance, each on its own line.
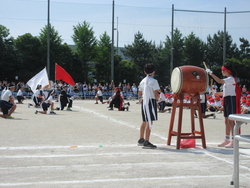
<point x="55" y="72"/>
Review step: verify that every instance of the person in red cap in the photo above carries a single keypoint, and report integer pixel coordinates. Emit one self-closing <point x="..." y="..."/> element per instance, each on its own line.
<point x="203" y="102"/>
<point x="246" y="108"/>
<point x="217" y="104"/>
<point x="116" y="100"/>
<point x="231" y="102"/>
<point x="210" y="105"/>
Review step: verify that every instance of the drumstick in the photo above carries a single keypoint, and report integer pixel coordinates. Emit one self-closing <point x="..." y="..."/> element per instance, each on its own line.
<point x="205" y="64"/>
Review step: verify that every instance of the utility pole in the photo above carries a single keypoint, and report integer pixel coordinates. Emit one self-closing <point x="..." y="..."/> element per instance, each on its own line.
<point x="117" y="36"/>
<point x="112" y="45"/>
<point x="172" y="42"/>
<point x="224" y="36"/>
<point x="48" y="42"/>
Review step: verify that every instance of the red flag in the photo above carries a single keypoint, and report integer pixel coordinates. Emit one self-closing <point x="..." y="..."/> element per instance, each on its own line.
<point x="61" y="74"/>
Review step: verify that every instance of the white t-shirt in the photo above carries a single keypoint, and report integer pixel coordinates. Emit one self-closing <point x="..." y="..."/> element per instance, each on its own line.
<point x="19" y="93"/>
<point x="37" y="93"/>
<point x="151" y="83"/>
<point x="2" y="94"/>
<point x="99" y="93"/>
<point x="229" y="87"/>
<point x="49" y="100"/>
<point x="162" y="96"/>
<point x="134" y="89"/>
<point x="217" y="103"/>
<point x="6" y="95"/>
<point x="169" y="100"/>
<point x="203" y="98"/>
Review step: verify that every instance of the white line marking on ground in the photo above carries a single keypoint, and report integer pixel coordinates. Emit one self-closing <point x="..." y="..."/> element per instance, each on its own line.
<point x="80" y="146"/>
<point x="112" y="180"/>
<point x="82" y="155"/>
<point x="121" y="122"/>
<point x="101" y="165"/>
<point x="227" y="161"/>
<point x="164" y="138"/>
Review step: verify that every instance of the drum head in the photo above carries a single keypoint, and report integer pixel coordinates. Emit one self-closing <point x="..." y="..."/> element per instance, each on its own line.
<point x="176" y="80"/>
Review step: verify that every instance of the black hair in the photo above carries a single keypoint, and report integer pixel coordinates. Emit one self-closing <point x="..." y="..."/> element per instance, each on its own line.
<point x="162" y="90"/>
<point x="38" y="86"/>
<point x="149" y="68"/>
<point x="230" y="67"/>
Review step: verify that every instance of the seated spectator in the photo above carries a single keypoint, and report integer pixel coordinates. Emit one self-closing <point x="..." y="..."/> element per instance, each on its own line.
<point x="246" y="108"/>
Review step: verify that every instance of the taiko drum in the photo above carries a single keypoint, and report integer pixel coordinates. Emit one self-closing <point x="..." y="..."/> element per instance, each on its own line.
<point x="189" y="80"/>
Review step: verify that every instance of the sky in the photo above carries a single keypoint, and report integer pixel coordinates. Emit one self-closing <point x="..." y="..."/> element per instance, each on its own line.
<point x="152" y="18"/>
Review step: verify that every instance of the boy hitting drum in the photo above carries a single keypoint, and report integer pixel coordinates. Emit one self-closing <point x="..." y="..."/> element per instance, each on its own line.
<point x="148" y="96"/>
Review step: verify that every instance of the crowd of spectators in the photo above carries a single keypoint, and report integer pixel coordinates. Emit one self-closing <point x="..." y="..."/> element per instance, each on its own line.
<point x="82" y="90"/>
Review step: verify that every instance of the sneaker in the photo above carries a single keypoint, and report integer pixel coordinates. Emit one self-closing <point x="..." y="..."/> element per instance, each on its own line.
<point x="148" y="145"/>
<point x="52" y="112"/>
<point x="214" y="115"/>
<point x="68" y="109"/>
<point x="230" y="145"/>
<point x="224" y="143"/>
<point x="9" y="117"/>
<point x="127" y="108"/>
<point x="36" y="112"/>
<point x="96" y="103"/>
<point x="111" y="109"/>
<point x="141" y="142"/>
<point x="219" y="112"/>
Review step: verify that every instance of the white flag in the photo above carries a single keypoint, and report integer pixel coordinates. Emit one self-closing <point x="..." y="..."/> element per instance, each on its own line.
<point x="40" y="78"/>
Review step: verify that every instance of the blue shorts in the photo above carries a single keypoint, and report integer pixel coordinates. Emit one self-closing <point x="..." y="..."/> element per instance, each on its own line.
<point x="229" y="105"/>
<point x="45" y="106"/>
<point x="203" y="108"/>
<point x="5" y="106"/>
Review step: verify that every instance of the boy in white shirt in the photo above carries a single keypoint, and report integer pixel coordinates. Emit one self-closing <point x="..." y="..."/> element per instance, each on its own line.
<point x="148" y="96"/>
<point x="8" y="105"/>
<point x="48" y="103"/>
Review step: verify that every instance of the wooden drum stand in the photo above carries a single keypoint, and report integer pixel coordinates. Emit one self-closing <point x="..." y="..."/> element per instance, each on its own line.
<point x="193" y="105"/>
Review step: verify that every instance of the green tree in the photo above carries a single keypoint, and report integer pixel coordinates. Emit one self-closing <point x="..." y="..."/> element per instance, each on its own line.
<point x="140" y="52"/>
<point x="193" y="50"/>
<point x="244" y="48"/>
<point x="7" y="55"/>
<point x="125" y="70"/>
<point x="85" y="42"/>
<point x="29" y="56"/>
<point x="55" y="49"/>
<point x="103" y="58"/>
<point x="70" y="62"/>
<point x="178" y="48"/>
<point x="162" y="65"/>
<point x="215" y="48"/>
